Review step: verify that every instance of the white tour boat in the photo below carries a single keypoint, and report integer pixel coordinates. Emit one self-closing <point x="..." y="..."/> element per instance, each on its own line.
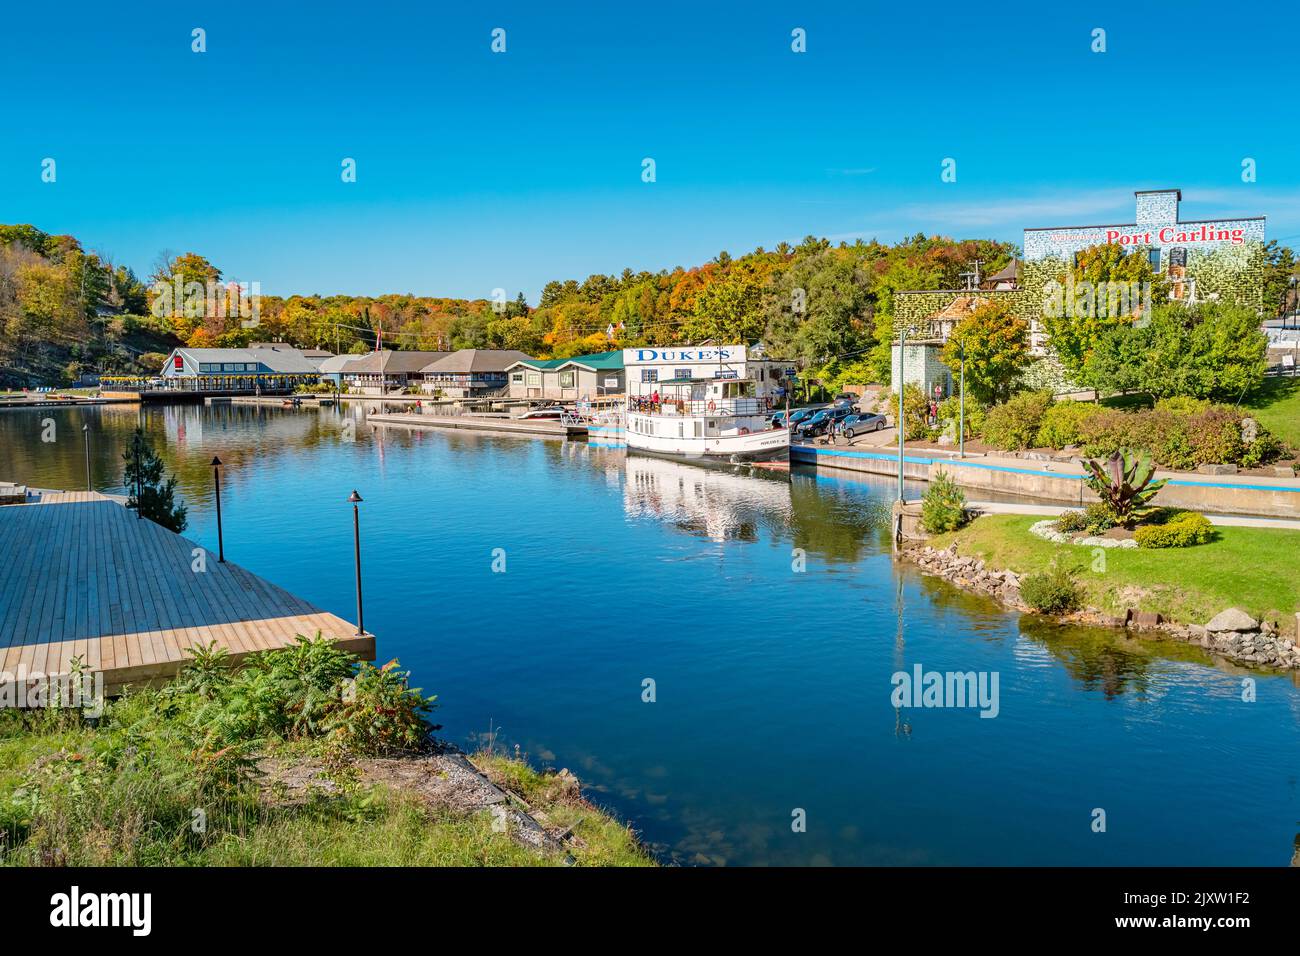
<point x="718" y="419"/>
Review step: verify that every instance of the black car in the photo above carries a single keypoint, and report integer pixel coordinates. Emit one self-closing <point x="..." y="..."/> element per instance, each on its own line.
<point x="861" y="424"/>
<point x="819" y="423"/>
<point x="801" y="415"/>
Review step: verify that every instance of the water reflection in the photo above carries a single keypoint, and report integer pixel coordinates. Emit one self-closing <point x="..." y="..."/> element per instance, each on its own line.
<point x="774" y="686"/>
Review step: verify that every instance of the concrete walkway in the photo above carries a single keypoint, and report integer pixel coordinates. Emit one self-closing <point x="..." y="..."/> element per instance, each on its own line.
<point x="1051" y="511"/>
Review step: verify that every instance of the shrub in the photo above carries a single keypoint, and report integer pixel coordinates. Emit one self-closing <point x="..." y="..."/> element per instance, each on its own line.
<point x="1181" y="531"/>
<point x="950" y="411"/>
<point x="1183" y="405"/>
<point x="943" y="508"/>
<point x="1060" y="425"/>
<point x="1054" y="591"/>
<point x="1178" y="433"/>
<point x="1014" y="424"/>
<point x="1099" y="518"/>
<point x="1071" y="521"/>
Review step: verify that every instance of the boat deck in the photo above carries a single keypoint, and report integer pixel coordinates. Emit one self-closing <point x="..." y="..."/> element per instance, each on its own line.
<point x="81" y="576"/>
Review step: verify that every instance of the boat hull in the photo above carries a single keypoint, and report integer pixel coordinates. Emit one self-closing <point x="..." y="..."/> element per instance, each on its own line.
<point x="769" y="445"/>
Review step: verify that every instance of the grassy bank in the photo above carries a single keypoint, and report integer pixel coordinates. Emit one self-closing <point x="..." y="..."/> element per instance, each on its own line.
<point x="1250" y="568"/>
<point x="302" y="759"/>
<point x="1276" y="405"/>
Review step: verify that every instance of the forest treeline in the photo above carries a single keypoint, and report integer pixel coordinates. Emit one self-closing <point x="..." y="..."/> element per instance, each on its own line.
<point x="65" y="310"/>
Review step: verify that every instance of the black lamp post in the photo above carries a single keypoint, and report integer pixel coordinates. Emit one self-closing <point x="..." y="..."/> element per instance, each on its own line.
<point x="216" y="483"/>
<point x="85" y="433"/>
<point x="356" y="544"/>
<point x="139" y="478"/>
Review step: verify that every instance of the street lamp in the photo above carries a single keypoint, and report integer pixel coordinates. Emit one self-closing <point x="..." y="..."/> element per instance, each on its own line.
<point x="902" y="385"/>
<point x="961" y="403"/>
<point x="85" y="433"/>
<point x="356" y="543"/>
<point x="216" y="483"/>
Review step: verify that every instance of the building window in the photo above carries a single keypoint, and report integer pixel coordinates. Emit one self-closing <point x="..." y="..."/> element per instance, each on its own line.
<point x="566" y="380"/>
<point x="649" y="375"/>
<point x="681" y="373"/>
<point x="535" y="379"/>
<point x="517" y="376"/>
<point x="1153" y="256"/>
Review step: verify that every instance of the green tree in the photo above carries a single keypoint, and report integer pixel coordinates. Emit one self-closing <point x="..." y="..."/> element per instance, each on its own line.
<point x="153" y="497"/>
<point x="1087" y="301"/>
<point x="996" y="344"/>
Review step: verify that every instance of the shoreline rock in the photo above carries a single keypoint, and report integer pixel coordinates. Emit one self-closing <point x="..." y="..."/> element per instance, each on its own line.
<point x="1232" y="633"/>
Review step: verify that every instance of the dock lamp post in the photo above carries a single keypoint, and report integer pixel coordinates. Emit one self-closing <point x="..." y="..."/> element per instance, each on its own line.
<point x="85" y="433"/>
<point x="138" y="441"/>
<point x="356" y="544"/>
<point x="216" y="484"/>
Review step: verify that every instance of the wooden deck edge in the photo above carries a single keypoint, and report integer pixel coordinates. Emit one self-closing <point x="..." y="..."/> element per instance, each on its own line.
<point x="146" y="675"/>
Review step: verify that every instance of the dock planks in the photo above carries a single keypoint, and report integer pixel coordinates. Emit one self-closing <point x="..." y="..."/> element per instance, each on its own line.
<point x="80" y="575"/>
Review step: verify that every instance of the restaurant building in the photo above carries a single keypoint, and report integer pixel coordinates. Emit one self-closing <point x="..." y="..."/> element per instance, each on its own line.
<point x="470" y="373"/>
<point x="386" y="371"/>
<point x="271" y="369"/>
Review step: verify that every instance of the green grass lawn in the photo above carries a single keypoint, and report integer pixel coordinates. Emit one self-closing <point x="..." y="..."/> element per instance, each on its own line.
<point x="1254" y="569"/>
<point x="1276" y="406"/>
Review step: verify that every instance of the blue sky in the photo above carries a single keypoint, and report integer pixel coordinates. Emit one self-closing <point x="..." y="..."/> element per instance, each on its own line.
<point x="478" y="170"/>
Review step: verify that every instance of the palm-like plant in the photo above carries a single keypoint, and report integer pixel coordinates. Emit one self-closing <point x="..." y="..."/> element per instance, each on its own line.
<point x="1124" y="483"/>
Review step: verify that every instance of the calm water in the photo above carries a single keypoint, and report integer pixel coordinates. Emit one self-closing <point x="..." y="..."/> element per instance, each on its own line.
<point x="773" y="687"/>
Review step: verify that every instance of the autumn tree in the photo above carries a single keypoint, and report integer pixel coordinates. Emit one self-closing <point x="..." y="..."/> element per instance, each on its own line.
<point x="995" y="343"/>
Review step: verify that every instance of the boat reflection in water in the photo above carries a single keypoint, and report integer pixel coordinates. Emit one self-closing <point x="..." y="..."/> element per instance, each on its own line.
<point x="719" y="503"/>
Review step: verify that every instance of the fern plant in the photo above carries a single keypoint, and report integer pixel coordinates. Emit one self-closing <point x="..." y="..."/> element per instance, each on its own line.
<point x="1125" y="483"/>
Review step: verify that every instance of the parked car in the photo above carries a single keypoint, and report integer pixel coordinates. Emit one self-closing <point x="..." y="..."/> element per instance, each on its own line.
<point x="819" y="423"/>
<point x="861" y="424"/>
<point x="802" y="414"/>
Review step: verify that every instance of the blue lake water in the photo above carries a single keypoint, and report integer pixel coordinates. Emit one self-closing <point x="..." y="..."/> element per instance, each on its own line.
<point x="772" y="685"/>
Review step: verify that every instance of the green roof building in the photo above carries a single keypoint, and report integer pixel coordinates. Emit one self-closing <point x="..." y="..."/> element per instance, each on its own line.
<point x="568" y="379"/>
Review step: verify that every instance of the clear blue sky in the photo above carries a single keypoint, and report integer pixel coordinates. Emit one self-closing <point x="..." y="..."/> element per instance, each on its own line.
<point x="479" y="170"/>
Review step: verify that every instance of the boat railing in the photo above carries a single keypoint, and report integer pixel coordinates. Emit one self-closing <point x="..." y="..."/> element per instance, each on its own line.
<point x="724" y="407"/>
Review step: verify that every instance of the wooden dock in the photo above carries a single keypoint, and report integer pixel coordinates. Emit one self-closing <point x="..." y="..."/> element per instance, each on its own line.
<point x="482" y="423"/>
<point x="80" y="575"/>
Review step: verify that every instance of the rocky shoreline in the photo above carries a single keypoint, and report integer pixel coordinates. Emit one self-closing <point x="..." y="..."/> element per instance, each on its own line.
<point x="1233" y="634"/>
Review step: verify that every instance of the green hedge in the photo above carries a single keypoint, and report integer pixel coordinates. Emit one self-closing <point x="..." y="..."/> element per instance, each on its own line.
<point x="1181" y="531"/>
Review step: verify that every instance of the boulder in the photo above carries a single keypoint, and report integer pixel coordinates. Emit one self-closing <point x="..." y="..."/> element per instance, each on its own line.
<point x="1231" y="620"/>
<point x="1217" y="469"/>
<point x="1143" y="619"/>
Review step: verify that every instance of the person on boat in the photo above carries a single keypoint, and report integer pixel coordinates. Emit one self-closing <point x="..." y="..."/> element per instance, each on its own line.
<point x="654" y="400"/>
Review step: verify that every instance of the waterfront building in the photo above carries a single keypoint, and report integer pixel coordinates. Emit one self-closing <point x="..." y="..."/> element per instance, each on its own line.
<point x="333" y="369"/>
<point x="580" y="376"/>
<point x="316" y="356"/>
<point x="470" y="373"/>
<point x="386" y="371"/>
<point x="272" y="368"/>
<point x="1198" y="259"/>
